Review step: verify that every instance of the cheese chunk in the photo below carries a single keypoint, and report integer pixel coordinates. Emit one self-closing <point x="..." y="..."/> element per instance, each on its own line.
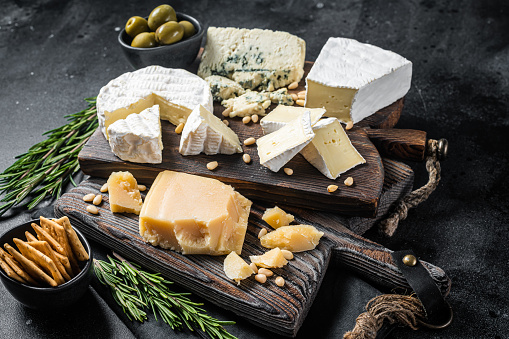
<point x="276" y="149"/>
<point x="137" y="138"/>
<point x="271" y="259"/>
<point x="223" y="88"/>
<point x="254" y="58"/>
<point x="204" y="132"/>
<point x="124" y="195"/>
<point x="331" y="151"/>
<point x="281" y="115"/>
<point x="276" y="217"/>
<point x="176" y="91"/>
<point x="295" y="238"/>
<point x="249" y="103"/>
<point x="194" y="215"/>
<point x="352" y="80"/>
<point x="236" y="268"/>
<point x="281" y="97"/>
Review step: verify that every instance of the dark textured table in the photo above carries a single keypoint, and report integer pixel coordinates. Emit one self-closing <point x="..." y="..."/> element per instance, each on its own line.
<point x="55" y="53"/>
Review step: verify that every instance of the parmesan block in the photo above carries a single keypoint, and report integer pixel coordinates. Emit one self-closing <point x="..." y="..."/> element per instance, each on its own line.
<point x="271" y="259"/>
<point x="276" y="217"/>
<point x="281" y="115"/>
<point x="124" y="195"/>
<point x="295" y="238"/>
<point x="194" y="215"/>
<point x="236" y="268"/>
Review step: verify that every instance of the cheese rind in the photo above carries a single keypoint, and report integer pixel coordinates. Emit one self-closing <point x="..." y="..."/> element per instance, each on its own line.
<point x="124" y="195"/>
<point x="281" y="115"/>
<point x="137" y="138"/>
<point x="331" y="150"/>
<point x="236" y="268"/>
<point x="295" y="238"/>
<point x="206" y="133"/>
<point x="254" y="58"/>
<point x="176" y="91"/>
<point x="352" y="80"/>
<point x="194" y="215"/>
<point x="276" y="217"/>
<point x="223" y="88"/>
<point x="276" y="149"/>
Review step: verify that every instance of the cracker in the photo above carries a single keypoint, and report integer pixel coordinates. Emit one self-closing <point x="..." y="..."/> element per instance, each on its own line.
<point x="10" y="272"/>
<point x="76" y="245"/>
<point x="30" y="236"/>
<point x="16" y="267"/>
<point x="44" y="236"/>
<point x="45" y="248"/>
<point x="30" y="267"/>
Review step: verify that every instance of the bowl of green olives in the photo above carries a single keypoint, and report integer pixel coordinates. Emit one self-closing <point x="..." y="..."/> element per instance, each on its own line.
<point x="165" y="38"/>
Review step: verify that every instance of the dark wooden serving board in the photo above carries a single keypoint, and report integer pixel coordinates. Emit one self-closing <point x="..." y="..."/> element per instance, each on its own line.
<point x="281" y="310"/>
<point x="306" y="188"/>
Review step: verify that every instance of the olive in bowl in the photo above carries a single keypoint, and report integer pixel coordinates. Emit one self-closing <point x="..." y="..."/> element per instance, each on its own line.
<point x="44" y="297"/>
<point x="177" y="55"/>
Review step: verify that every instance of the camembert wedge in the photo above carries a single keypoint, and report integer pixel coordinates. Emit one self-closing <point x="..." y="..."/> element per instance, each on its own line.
<point x="281" y="115"/>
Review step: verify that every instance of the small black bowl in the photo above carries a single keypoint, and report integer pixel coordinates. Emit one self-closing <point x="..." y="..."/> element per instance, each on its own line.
<point x="178" y="55"/>
<point x="47" y="298"/>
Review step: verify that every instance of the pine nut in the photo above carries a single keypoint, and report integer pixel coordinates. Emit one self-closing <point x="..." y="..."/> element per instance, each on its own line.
<point x="92" y="209"/>
<point x="261" y="278"/>
<point x="97" y="200"/>
<point x="246" y="120"/>
<point x="287" y="254"/>
<point x="104" y="188"/>
<point x="254" y="118"/>
<point x="254" y="267"/>
<point x="349" y="181"/>
<point x="266" y="104"/>
<point x="89" y="197"/>
<point x="142" y="188"/>
<point x="247" y="158"/>
<point x="294" y="97"/>
<point x="262" y="232"/>
<point x="332" y="188"/>
<point x="249" y="141"/>
<point x="280" y="281"/>
<point x="212" y="165"/>
<point x="227" y="111"/>
<point x="288" y="171"/>
<point x="265" y="272"/>
<point x="293" y="85"/>
<point x="300" y="102"/>
<point x="301" y="93"/>
<point x="226" y="122"/>
<point x="179" y="128"/>
<point x="301" y="96"/>
<point x="349" y="125"/>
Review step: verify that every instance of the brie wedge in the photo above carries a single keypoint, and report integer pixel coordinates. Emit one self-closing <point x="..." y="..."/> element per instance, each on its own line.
<point x="331" y="151"/>
<point x="206" y="133"/>
<point x="352" y="80"/>
<point x="137" y="138"/>
<point x="276" y="149"/>
<point x="281" y="115"/>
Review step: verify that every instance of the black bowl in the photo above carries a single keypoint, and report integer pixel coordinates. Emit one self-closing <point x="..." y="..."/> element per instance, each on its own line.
<point x="47" y="298"/>
<point x="178" y="55"/>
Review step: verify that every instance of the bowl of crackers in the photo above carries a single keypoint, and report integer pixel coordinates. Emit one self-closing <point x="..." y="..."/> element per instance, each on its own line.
<point x="45" y="263"/>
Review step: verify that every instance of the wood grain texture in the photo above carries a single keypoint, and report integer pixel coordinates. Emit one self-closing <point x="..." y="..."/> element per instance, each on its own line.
<point x="406" y="144"/>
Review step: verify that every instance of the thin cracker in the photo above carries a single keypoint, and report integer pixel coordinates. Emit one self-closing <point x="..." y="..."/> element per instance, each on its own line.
<point x="76" y="245"/>
<point x="17" y="267"/>
<point x="45" y="248"/>
<point x="44" y="236"/>
<point x="47" y="226"/>
<point x="30" y="267"/>
<point x="30" y="236"/>
<point x="10" y="272"/>
<point x="64" y="242"/>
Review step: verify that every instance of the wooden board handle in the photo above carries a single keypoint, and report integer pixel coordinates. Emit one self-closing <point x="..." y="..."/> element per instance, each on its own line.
<point x="405" y="144"/>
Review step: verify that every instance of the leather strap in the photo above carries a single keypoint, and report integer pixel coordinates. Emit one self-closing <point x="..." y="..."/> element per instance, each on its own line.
<point x="438" y="311"/>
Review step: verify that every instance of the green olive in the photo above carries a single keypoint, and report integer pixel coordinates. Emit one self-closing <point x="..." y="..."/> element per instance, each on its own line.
<point x="160" y="15"/>
<point x="144" y="40"/>
<point x="169" y="33"/>
<point x="136" y="25"/>
<point x="189" y="29"/>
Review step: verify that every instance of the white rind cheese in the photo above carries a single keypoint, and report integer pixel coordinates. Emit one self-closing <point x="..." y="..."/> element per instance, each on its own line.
<point x="137" y="138"/>
<point x="254" y="58"/>
<point x="278" y="148"/>
<point x="176" y="91"/>
<point x="331" y="151"/>
<point x="206" y="133"/>
<point x="223" y="88"/>
<point x="281" y="115"/>
<point x="352" y="80"/>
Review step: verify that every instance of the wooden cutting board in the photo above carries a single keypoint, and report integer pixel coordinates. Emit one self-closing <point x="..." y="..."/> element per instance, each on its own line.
<point x="281" y="310"/>
<point x="306" y="188"/>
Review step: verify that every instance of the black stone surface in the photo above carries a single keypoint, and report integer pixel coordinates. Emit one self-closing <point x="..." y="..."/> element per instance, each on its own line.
<point x="55" y="53"/>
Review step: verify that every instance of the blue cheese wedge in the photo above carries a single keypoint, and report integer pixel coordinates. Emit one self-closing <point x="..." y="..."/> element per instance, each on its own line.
<point x="206" y="133"/>
<point x="278" y="148"/>
<point x="249" y="103"/>
<point x="137" y="138"/>
<point x="254" y="58"/>
<point x="331" y="151"/>
<point x="176" y="91"/>
<point x="281" y="115"/>
<point x="223" y="88"/>
<point x="352" y="80"/>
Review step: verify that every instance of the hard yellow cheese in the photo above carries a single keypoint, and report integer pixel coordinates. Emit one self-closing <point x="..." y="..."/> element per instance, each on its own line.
<point x="271" y="259"/>
<point x="124" y="195"/>
<point x="194" y="215"/>
<point x="296" y="238"/>
<point x="236" y="268"/>
<point x="276" y="217"/>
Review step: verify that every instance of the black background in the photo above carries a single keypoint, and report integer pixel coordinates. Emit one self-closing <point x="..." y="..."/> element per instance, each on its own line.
<point x="55" y="53"/>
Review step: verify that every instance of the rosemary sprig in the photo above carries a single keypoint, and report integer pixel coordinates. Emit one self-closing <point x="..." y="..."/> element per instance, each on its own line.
<point x="49" y="165"/>
<point x="136" y="291"/>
